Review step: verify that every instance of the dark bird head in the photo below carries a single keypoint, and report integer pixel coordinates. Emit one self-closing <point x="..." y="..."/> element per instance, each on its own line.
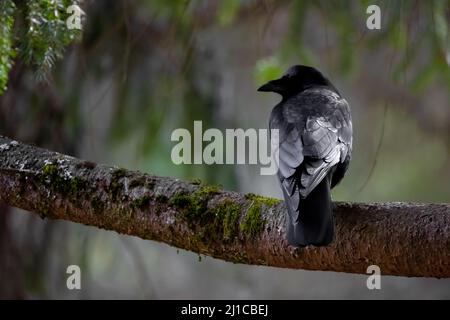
<point x="296" y="79"/>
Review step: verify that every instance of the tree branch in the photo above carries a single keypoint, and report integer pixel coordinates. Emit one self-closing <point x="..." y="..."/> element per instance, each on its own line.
<point x="403" y="239"/>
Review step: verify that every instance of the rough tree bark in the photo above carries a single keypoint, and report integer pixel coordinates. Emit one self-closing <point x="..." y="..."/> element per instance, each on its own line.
<point x="403" y="239"/>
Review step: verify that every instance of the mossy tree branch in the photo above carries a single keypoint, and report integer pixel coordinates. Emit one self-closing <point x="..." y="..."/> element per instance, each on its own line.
<point x="403" y="239"/>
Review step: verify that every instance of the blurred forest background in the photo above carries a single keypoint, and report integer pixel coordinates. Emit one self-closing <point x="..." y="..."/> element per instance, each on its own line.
<point x="139" y="69"/>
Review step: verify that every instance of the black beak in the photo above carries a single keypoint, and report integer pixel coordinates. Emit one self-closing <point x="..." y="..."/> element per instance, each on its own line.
<point x="273" y="86"/>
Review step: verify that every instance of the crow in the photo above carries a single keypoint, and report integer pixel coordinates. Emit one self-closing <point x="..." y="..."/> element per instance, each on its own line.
<point x="315" y="145"/>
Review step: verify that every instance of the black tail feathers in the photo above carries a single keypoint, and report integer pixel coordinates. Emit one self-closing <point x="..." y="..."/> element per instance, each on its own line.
<point x="315" y="223"/>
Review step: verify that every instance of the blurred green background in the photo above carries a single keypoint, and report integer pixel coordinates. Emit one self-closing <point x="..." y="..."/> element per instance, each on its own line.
<point x="115" y="91"/>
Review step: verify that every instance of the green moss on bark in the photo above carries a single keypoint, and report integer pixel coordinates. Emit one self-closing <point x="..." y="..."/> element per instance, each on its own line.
<point x="194" y="205"/>
<point x="50" y="170"/>
<point x="54" y="178"/>
<point x="141" y="202"/>
<point x="219" y="223"/>
<point x="263" y="200"/>
<point x="229" y="211"/>
<point x="253" y="223"/>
